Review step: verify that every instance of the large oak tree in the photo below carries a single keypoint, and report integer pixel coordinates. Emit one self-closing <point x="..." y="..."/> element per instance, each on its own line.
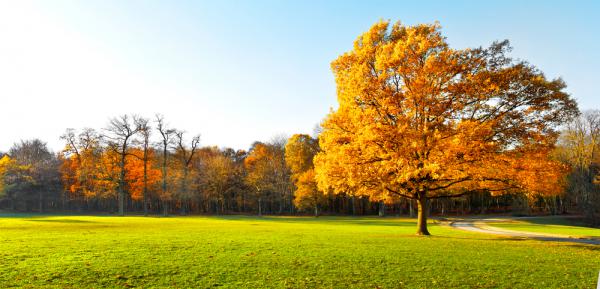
<point x="421" y="120"/>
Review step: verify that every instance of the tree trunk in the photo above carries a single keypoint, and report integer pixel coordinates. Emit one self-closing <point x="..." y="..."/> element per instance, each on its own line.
<point x="182" y="211"/>
<point x="145" y="204"/>
<point x="443" y="208"/>
<point x="260" y="206"/>
<point x="41" y="202"/>
<point x="64" y="200"/>
<point x="164" y="177"/>
<point x="381" y="208"/>
<point x="145" y="200"/>
<point x="121" y="203"/>
<point x="165" y="208"/>
<point x="281" y="203"/>
<point x="243" y="203"/>
<point x="422" y="215"/>
<point x="316" y="210"/>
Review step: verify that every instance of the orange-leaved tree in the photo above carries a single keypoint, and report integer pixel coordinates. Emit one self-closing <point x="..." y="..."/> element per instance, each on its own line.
<point x="421" y="120"/>
<point x="143" y="175"/>
<point x="80" y="158"/>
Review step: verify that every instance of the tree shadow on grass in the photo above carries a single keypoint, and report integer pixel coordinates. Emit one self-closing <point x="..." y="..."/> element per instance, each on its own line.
<point x="25" y="215"/>
<point x="559" y="220"/>
<point x="585" y="247"/>
<point x="491" y="238"/>
<point x="18" y="215"/>
<point x="558" y="241"/>
<point x="367" y="221"/>
<point x="66" y="221"/>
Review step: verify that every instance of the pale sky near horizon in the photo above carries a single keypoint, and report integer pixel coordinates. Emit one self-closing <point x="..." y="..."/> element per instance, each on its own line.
<point x="241" y="71"/>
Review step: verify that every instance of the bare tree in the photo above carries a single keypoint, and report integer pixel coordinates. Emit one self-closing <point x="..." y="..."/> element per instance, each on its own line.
<point x="185" y="156"/>
<point x="579" y="146"/>
<point x="145" y="132"/>
<point x="120" y="132"/>
<point x="166" y="140"/>
<point x="72" y="144"/>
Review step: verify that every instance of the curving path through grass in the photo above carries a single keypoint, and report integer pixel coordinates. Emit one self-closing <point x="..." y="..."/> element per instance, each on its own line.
<point x="483" y="226"/>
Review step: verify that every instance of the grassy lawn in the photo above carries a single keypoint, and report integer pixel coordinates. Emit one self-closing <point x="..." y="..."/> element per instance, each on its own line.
<point x="285" y="252"/>
<point x="550" y="225"/>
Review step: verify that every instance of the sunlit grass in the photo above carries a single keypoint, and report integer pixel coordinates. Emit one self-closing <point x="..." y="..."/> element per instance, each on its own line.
<point x="283" y="252"/>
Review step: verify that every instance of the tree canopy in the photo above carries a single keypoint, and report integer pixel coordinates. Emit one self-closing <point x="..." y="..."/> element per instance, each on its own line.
<point x="421" y="120"/>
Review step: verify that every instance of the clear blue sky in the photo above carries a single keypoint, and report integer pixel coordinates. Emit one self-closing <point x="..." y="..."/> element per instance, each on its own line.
<point x="240" y="71"/>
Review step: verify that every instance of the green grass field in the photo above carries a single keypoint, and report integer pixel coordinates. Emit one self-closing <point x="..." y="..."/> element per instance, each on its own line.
<point x="279" y="252"/>
<point x="550" y="225"/>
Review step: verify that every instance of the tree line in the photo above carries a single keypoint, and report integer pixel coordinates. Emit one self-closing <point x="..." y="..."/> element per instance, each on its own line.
<point x="142" y="166"/>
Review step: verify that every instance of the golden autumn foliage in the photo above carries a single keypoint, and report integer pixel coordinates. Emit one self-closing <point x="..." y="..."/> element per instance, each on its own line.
<point x="261" y="166"/>
<point x="266" y="171"/>
<point x="307" y="194"/>
<point x="299" y="153"/>
<point x="421" y="120"/>
<point x="5" y="164"/>
<point x="257" y="165"/>
<point x="13" y="174"/>
<point x="300" y="150"/>
<point x="220" y="175"/>
<point x="4" y="161"/>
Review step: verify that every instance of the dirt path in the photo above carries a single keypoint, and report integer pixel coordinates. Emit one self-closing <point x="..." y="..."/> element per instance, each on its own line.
<point x="480" y="226"/>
